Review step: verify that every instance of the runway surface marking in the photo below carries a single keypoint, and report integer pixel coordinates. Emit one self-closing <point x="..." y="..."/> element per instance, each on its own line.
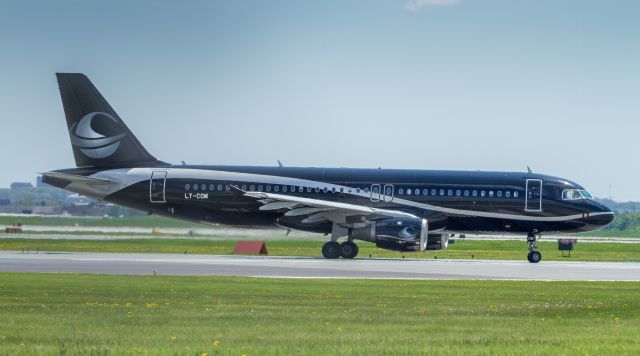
<point x="291" y="267"/>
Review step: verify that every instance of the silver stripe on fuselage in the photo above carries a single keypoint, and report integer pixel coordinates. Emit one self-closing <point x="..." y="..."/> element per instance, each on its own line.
<point x="128" y="177"/>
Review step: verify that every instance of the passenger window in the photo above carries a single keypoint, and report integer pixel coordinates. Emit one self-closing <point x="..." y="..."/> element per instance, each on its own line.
<point x="212" y="187"/>
<point x="441" y="192"/>
<point x="458" y="192"/>
<point x="333" y="189"/>
<point x="276" y="188"/>
<point x="268" y="188"/>
<point x="203" y="187"/>
<point x="450" y="192"/>
<point x="244" y="187"/>
<point x="483" y="193"/>
<point x="515" y="194"/>
<point x="387" y="191"/>
<point x="300" y="189"/>
<point x="252" y="188"/>
<point x="260" y="188"/>
<point x="433" y="192"/>
<point x="366" y="190"/>
<point x="357" y="190"/>
<point x="187" y="186"/>
<point x="308" y="189"/>
<point x="284" y="188"/>
<point x="499" y="193"/>
<point x="220" y="187"/>
<point x="317" y="189"/>
<point x="227" y="187"/>
<point x="195" y="187"/>
<point x="507" y="194"/>
<point x="474" y="193"/>
<point x="400" y="191"/>
<point x="466" y="193"/>
<point x="491" y="194"/>
<point x="325" y="189"/>
<point x="416" y="191"/>
<point x="408" y="191"/>
<point x="425" y="191"/>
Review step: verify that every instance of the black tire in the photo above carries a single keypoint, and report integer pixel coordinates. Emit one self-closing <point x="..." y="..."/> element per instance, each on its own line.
<point x="535" y="257"/>
<point x="331" y="250"/>
<point x="529" y="257"/>
<point x="348" y="250"/>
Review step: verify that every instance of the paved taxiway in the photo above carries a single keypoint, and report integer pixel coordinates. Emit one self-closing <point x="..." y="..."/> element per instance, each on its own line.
<point x="173" y="264"/>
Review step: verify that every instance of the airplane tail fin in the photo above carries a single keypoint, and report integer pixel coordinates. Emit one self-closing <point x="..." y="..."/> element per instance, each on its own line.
<point x="98" y="136"/>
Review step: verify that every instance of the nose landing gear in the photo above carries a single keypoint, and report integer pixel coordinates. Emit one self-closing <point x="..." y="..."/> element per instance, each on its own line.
<point x="534" y="256"/>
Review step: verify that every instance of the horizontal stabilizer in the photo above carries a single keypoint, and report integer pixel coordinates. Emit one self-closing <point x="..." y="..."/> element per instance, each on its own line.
<point x="78" y="178"/>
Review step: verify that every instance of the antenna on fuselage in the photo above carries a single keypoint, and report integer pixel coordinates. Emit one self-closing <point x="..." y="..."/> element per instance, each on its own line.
<point x="280" y="164"/>
<point x="529" y="169"/>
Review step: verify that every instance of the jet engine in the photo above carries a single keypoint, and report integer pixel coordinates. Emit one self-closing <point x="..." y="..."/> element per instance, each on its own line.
<point x="401" y="235"/>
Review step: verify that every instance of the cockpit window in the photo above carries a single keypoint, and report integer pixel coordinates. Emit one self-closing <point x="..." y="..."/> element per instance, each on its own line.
<point x="575" y="194"/>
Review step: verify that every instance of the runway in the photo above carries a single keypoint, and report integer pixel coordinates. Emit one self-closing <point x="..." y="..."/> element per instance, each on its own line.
<point x="290" y="267"/>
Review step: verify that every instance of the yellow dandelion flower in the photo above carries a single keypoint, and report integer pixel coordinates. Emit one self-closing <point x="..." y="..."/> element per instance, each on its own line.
<point x="216" y="343"/>
<point x="174" y="339"/>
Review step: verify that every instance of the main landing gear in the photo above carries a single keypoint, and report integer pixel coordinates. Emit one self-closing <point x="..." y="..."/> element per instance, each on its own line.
<point x="333" y="249"/>
<point x="534" y="256"/>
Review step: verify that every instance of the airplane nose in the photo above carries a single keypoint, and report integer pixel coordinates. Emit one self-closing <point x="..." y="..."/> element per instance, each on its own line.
<point x="606" y="219"/>
<point x="603" y="215"/>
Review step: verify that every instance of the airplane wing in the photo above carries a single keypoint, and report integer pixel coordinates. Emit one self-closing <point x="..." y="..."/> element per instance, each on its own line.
<point x="319" y="210"/>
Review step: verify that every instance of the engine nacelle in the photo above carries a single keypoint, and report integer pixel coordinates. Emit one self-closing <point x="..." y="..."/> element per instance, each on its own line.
<point x="401" y="235"/>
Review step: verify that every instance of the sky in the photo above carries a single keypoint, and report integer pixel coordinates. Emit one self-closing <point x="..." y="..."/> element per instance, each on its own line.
<point x="422" y="84"/>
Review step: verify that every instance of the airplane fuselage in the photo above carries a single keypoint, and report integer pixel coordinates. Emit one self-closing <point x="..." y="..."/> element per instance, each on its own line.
<point x="452" y="201"/>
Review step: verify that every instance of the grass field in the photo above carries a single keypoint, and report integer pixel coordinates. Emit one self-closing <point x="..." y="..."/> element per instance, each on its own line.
<point x="82" y="314"/>
<point x="502" y="250"/>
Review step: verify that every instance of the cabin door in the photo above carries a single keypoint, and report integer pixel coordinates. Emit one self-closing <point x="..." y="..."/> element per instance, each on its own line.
<point x="533" y="198"/>
<point x="157" y="186"/>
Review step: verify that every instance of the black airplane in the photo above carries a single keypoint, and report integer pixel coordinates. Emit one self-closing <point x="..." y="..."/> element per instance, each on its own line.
<point x="403" y="210"/>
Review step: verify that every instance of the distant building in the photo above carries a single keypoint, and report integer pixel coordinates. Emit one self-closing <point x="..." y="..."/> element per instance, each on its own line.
<point x="44" y="210"/>
<point x="21" y="185"/>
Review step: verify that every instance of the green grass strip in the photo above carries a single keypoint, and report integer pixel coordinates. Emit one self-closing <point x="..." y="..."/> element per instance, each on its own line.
<point x="115" y="315"/>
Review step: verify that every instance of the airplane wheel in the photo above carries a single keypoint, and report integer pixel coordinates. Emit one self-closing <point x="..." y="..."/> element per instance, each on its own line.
<point x="331" y="250"/>
<point x="534" y="257"/>
<point x="348" y="249"/>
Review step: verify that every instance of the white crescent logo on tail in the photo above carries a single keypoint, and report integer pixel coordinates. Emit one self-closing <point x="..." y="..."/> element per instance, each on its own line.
<point x="91" y="143"/>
